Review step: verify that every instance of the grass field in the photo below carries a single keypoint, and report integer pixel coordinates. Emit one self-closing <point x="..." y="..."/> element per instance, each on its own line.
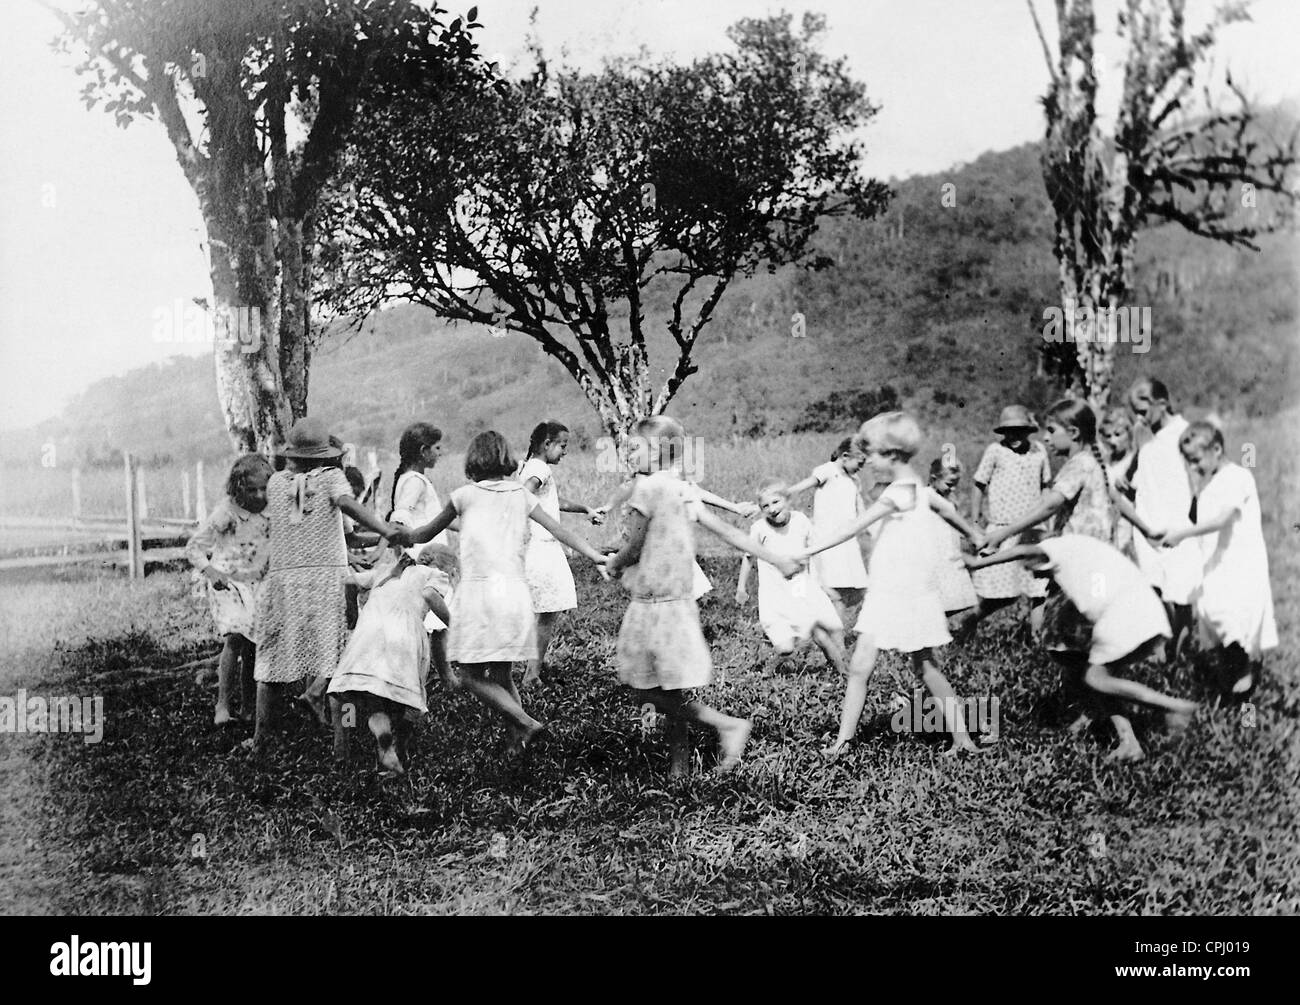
<point x="591" y="823"/>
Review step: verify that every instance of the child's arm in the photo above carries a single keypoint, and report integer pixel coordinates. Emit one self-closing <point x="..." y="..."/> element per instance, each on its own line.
<point x="569" y="506"/>
<point x="1210" y="526"/>
<point x="406" y="536"/>
<point x="803" y="486"/>
<point x="788" y="566"/>
<point x="199" y="548"/>
<point x="876" y="511"/>
<point x="949" y="512"/>
<point x="1019" y="553"/>
<point x="746" y="509"/>
<point x="561" y="533"/>
<point x="976" y="501"/>
<point x="742" y="583"/>
<point x="1050" y="505"/>
<point x="1127" y="511"/>
<point x="630" y="553"/>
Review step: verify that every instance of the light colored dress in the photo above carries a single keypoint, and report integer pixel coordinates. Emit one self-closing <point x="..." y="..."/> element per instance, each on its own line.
<point x="1163" y="499"/>
<point x="492" y="611"/>
<point x="550" y="580"/>
<point x="1013" y="488"/>
<point x="301" y="626"/>
<point x="660" y="643"/>
<point x="955" y="586"/>
<point x="1109" y="592"/>
<point x="388" y="653"/>
<point x="415" y="503"/>
<point x="1234" y="601"/>
<point x="700" y="584"/>
<point x="904" y="608"/>
<point x="789" y="609"/>
<point x="236" y="542"/>
<point x="835" y="505"/>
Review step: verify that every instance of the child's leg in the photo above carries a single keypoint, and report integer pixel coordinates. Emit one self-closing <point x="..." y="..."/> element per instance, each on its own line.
<point x="1129" y="749"/>
<point x="545" y="633"/>
<point x="733" y="733"/>
<point x="438" y="655"/>
<point x="831" y="644"/>
<point x="1037" y="605"/>
<point x="844" y="599"/>
<point x="964" y="624"/>
<point x="227" y="669"/>
<point x="679" y="747"/>
<point x="381" y="725"/>
<point x="247" y="685"/>
<point x="266" y="700"/>
<point x="937" y="684"/>
<point x="481" y="680"/>
<point x="1100" y="679"/>
<point x="313" y="698"/>
<point x="855" y="692"/>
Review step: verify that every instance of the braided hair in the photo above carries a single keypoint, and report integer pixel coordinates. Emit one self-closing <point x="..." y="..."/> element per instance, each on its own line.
<point x="543" y="433"/>
<point x="415" y="438"/>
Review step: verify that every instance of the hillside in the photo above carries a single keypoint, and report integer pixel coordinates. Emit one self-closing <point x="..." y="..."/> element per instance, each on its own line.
<point x="942" y="304"/>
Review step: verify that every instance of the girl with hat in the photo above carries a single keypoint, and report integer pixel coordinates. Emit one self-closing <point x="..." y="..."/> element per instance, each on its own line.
<point x="301" y="624"/>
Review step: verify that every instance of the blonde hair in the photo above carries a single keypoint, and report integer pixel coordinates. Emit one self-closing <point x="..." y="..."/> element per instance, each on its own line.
<point x="776" y="485"/>
<point x="894" y="433"/>
<point x="667" y="434"/>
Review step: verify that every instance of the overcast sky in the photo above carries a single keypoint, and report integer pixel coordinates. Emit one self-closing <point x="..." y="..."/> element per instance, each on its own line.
<point x="98" y="229"/>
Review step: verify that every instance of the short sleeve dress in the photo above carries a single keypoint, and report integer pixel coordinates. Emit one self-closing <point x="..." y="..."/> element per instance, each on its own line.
<point x="1013" y="486"/>
<point x="955" y="586"/>
<point x="1087" y="511"/>
<point x="416" y="502"/>
<point x="835" y="504"/>
<point x="789" y="609"/>
<point x="236" y="542"/>
<point x="660" y="643"/>
<point x="700" y="584"/>
<point x="903" y="610"/>
<point x="550" y="580"/>
<point x="388" y="654"/>
<point x="301" y="627"/>
<point x="492" y="617"/>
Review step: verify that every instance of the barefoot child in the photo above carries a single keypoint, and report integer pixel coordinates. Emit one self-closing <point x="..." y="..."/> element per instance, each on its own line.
<point x="955" y="587"/>
<point x="301" y="609"/>
<point x="903" y="610"/>
<point x="231" y="551"/>
<point x="790" y="610"/>
<point x="836" y="502"/>
<point x="1234" y="602"/>
<point x="383" y="667"/>
<point x="492" y="622"/>
<point x="549" y="579"/>
<point x="661" y="649"/>
<point x="1127" y="620"/>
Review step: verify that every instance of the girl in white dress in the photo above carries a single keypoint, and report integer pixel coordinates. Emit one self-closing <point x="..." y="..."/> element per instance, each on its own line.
<point x="1234" y="602"/>
<point x="492" y="623"/>
<point x="903" y="610"/>
<point x="955" y="586"/>
<point x="1128" y="623"/>
<point x="791" y="611"/>
<point x="549" y="580"/>
<point x="837" y="501"/>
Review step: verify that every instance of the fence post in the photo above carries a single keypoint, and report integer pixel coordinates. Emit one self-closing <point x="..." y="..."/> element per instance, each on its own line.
<point x="143" y="502"/>
<point x="200" y="500"/>
<point x="134" y="556"/>
<point x="185" y="495"/>
<point x="76" y="495"/>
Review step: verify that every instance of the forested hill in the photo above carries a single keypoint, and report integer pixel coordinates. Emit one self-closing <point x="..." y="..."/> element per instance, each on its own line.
<point x="942" y="304"/>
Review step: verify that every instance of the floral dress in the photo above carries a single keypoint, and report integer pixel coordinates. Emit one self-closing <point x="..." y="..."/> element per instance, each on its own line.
<point x="1087" y="511"/>
<point x="236" y="542"/>
<point x="1013" y="484"/>
<point x="301" y="610"/>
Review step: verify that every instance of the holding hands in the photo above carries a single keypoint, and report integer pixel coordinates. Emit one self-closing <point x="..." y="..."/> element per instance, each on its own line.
<point x="597" y="514"/>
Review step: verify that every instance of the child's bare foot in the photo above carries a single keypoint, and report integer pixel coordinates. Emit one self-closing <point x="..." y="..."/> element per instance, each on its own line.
<point x="835" y="749"/>
<point x="1126" y="752"/>
<point x="731" y="743"/>
<point x="1178" y="721"/>
<point x="1244" y="684"/>
<point x="533" y="674"/>
<point x="450" y="679"/>
<point x="1080" y="724"/>
<point x="389" y="761"/>
<point x="963" y="746"/>
<point x="222" y="717"/>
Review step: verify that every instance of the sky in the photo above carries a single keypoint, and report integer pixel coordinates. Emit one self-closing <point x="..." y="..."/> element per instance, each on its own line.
<point x="101" y="239"/>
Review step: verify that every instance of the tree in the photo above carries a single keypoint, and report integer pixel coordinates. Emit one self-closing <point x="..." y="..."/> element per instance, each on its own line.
<point x="249" y="74"/>
<point x="1173" y="157"/>
<point x="569" y="206"/>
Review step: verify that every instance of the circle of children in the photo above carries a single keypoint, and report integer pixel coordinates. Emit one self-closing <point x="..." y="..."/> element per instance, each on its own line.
<point x="282" y="587"/>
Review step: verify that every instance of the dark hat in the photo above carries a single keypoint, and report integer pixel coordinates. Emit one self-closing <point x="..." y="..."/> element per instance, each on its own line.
<point x="310" y="440"/>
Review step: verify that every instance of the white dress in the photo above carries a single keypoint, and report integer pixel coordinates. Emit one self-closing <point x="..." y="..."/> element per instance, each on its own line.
<point x="835" y="504"/>
<point x="1234" y="602"/>
<point x="789" y="609"/>
<point x="492" y="611"/>
<point x="415" y="503"/>
<point x="1163" y="499"/>
<point x="388" y="653"/>
<point x="550" y="581"/>
<point x="1110" y="592"/>
<point x="903" y="609"/>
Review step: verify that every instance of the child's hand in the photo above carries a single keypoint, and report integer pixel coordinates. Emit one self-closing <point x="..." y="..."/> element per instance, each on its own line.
<point x="597" y="515"/>
<point x="1166" y="539"/>
<point x="399" y="535"/>
<point x="789" y="566"/>
<point x="991" y="542"/>
<point x="742" y="595"/>
<point x="970" y="560"/>
<point x="748" y="510"/>
<point x="979" y="540"/>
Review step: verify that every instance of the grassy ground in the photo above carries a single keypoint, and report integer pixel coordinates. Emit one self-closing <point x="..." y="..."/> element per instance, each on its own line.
<point x="165" y="816"/>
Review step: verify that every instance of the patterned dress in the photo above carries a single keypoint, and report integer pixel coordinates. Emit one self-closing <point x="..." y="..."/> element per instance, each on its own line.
<point x="550" y="580"/>
<point x="955" y="586"/>
<point x="1013" y="485"/>
<point x="301" y="622"/>
<point x="660" y="644"/>
<point x="1087" y="511"/>
<point x="236" y="542"/>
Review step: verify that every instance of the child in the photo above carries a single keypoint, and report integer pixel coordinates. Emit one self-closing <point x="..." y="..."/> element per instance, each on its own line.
<point x="835" y="503"/>
<point x="790" y="610"/>
<point x="661" y="649"/>
<point x="903" y="610"/>
<point x="415" y="502"/>
<point x="1234" y="602"/>
<point x="301" y="609"/>
<point x="383" y="667"/>
<point x="492" y="622"/>
<point x="549" y="580"/>
<point x="361" y="545"/>
<point x="231" y="551"/>
<point x="1010" y="479"/>
<point x="1127" y="622"/>
<point x="1117" y="435"/>
<point x="955" y="587"/>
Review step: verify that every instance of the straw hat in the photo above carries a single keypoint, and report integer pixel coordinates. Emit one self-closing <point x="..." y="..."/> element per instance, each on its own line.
<point x="1015" y="417"/>
<point x="310" y="440"/>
